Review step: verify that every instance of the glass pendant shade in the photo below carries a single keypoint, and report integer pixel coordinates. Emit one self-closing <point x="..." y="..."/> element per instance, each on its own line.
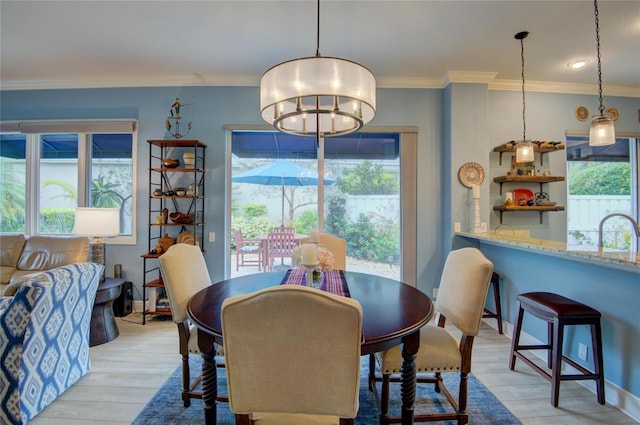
<point x="602" y="132"/>
<point x="524" y="152"/>
<point x="318" y="96"/>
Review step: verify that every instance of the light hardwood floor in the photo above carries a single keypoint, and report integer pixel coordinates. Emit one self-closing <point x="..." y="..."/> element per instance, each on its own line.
<point x="127" y="371"/>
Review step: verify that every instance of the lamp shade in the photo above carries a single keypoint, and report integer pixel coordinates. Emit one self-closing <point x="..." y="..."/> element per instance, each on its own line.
<point x="97" y="222"/>
<point x="602" y="132"/>
<point x="337" y="94"/>
<point x="524" y="152"/>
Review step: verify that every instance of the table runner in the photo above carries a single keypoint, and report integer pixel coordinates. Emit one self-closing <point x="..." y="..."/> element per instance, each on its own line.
<point x="334" y="281"/>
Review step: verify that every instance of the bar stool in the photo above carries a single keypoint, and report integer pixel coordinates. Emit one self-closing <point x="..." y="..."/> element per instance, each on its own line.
<point x="558" y="312"/>
<point x="495" y="282"/>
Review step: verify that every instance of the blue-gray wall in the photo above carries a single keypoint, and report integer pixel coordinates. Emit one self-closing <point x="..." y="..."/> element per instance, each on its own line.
<point x="458" y="124"/>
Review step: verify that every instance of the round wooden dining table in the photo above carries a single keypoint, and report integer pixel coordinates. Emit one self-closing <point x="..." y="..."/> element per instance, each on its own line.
<point x="393" y="313"/>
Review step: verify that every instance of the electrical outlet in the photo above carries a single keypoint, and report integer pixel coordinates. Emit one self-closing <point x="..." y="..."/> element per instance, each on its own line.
<point x="582" y="352"/>
<point x="435" y="293"/>
<point x="483" y="227"/>
<point x="212" y="236"/>
<point x="456" y="226"/>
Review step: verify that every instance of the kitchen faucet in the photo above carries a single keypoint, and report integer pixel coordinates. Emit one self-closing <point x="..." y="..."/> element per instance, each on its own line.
<point x="634" y="224"/>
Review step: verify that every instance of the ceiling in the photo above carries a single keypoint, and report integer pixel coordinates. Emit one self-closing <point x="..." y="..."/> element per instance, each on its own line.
<point x="80" y="44"/>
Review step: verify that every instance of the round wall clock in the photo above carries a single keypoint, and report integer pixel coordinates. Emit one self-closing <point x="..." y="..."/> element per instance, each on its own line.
<point x="471" y="174"/>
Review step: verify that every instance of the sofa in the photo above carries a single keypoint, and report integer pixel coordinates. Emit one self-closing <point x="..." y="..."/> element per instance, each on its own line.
<point x="53" y="352"/>
<point x="21" y="256"/>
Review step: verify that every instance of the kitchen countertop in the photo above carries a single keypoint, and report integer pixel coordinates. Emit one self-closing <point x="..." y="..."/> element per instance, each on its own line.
<point x="623" y="260"/>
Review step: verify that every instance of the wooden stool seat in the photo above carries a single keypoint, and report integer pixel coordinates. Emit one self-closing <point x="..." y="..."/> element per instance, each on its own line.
<point x="495" y="282"/>
<point x="558" y="312"/>
<point x="548" y="306"/>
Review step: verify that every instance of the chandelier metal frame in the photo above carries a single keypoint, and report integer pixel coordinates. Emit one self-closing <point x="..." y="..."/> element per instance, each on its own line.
<point x="318" y="96"/>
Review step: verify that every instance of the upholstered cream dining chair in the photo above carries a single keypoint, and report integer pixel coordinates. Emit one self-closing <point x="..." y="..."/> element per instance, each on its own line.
<point x="336" y="245"/>
<point x="461" y="297"/>
<point x="184" y="272"/>
<point x="295" y="377"/>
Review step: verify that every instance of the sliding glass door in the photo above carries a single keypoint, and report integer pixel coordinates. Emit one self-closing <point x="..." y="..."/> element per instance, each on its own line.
<point x="358" y="198"/>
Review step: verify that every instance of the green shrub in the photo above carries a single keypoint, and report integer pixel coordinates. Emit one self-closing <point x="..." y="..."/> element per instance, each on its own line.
<point x="336" y="222"/>
<point x="57" y="220"/>
<point x="254" y="210"/>
<point x="377" y="242"/>
<point x="307" y="220"/>
<point x="251" y="227"/>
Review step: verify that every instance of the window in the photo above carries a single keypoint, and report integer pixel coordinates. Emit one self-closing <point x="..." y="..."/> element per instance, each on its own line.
<point x="48" y="170"/>
<point x="601" y="180"/>
<point x="359" y="201"/>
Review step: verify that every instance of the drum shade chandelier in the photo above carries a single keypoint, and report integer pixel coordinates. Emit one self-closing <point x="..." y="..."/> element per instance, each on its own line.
<point x="524" y="148"/>
<point x="601" y="132"/>
<point x="318" y="96"/>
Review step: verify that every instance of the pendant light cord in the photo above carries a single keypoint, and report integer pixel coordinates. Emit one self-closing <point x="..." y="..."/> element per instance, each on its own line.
<point x="595" y="7"/>
<point x="524" y="104"/>
<point x="521" y="36"/>
<point x="318" y="32"/>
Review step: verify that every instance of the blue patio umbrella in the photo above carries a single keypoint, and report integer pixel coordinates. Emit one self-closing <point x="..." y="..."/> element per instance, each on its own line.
<point x="280" y="173"/>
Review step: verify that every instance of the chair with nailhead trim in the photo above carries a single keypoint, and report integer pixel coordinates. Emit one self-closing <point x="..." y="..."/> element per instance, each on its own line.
<point x="463" y="292"/>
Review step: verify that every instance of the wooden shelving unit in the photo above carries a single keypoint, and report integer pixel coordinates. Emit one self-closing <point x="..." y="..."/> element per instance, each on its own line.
<point x="541" y="149"/>
<point x="539" y="208"/>
<point x="527" y="179"/>
<point x="166" y="180"/>
<point x="510" y="148"/>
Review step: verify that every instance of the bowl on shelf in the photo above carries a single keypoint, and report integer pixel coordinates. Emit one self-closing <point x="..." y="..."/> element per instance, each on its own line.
<point x="171" y="163"/>
<point x="181" y="191"/>
<point x="545" y="203"/>
<point x="181" y="218"/>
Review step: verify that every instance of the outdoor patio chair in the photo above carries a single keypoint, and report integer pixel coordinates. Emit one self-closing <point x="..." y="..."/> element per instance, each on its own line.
<point x="292" y="376"/>
<point x="461" y="297"/>
<point x="253" y="248"/>
<point x="280" y="245"/>
<point x="284" y="229"/>
<point x="184" y="273"/>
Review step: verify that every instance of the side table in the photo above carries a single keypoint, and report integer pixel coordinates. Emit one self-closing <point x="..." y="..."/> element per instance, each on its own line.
<point x="103" y="324"/>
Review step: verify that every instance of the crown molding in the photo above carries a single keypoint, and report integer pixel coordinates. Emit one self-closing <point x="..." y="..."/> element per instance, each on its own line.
<point x="381" y="82"/>
<point x="468" y="77"/>
<point x="564" y="88"/>
<point x="146" y="81"/>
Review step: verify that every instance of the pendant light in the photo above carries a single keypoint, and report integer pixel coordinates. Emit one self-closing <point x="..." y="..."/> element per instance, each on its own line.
<point x="602" y="132"/>
<point x="318" y="96"/>
<point x="524" y="148"/>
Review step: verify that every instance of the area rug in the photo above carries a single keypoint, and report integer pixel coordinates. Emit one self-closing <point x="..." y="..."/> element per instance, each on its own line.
<point x="166" y="408"/>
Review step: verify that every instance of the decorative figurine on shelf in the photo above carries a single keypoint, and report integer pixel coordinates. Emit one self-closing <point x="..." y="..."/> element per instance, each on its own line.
<point x="175" y="107"/>
<point x="174" y="120"/>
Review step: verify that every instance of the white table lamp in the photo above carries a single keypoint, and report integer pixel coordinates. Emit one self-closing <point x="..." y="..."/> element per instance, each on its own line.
<point x="97" y="223"/>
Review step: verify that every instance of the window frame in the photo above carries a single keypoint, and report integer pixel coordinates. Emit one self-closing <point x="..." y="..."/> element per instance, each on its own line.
<point x="84" y="129"/>
<point x="634" y="163"/>
<point x="408" y="193"/>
